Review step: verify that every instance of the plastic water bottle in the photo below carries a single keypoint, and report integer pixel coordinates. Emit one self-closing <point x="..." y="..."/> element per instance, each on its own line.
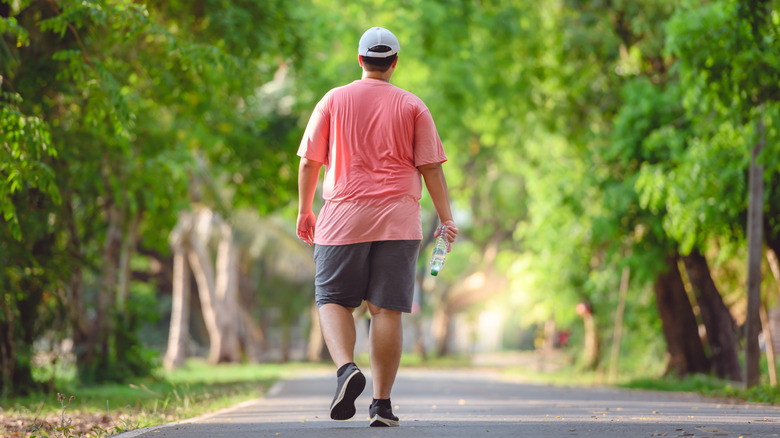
<point x="439" y="252"/>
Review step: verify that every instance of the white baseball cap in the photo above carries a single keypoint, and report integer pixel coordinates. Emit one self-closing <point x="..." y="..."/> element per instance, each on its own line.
<point x="375" y="41"/>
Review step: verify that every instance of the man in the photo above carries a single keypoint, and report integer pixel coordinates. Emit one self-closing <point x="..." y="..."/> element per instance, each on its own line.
<point x="375" y="140"/>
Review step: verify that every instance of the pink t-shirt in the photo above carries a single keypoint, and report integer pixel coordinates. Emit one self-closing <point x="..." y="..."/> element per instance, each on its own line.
<point x="371" y="136"/>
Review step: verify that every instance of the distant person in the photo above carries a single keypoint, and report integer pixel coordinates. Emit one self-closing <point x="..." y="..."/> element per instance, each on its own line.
<point x="375" y="140"/>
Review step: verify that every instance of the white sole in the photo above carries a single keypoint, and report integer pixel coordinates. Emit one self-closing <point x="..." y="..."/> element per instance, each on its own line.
<point x="343" y="389"/>
<point x="386" y="421"/>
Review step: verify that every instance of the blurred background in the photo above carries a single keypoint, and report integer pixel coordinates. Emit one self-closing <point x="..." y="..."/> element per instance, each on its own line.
<point x="613" y="166"/>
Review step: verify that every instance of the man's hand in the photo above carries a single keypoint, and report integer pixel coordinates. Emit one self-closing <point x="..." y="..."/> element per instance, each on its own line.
<point x="451" y="233"/>
<point x="305" y="227"/>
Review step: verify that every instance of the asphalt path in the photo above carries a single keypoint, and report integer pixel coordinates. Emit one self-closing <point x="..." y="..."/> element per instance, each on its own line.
<point x="480" y="404"/>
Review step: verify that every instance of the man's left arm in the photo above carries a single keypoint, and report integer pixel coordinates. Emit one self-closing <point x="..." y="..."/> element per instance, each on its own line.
<point x="433" y="174"/>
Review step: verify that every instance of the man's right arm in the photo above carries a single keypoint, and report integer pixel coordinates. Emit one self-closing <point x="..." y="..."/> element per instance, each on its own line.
<point x="437" y="188"/>
<point x="308" y="176"/>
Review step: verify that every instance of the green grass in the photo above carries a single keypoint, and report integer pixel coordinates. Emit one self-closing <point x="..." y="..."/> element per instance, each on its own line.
<point x="189" y="391"/>
<point x="706" y="385"/>
<point x="710" y="386"/>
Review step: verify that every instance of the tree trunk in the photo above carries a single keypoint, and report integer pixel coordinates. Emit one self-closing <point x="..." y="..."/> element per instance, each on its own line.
<point x="78" y="319"/>
<point x="618" y="331"/>
<point x="681" y="332"/>
<point x="217" y="294"/>
<point x="124" y="327"/>
<point x="549" y="334"/>
<point x="285" y="342"/>
<point x="716" y="317"/>
<point x="766" y="328"/>
<point x="76" y="312"/>
<point x="250" y="335"/>
<point x="7" y="346"/>
<point x="106" y="299"/>
<point x="755" y="244"/>
<point x="126" y="253"/>
<point x="441" y="330"/>
<point x="773" y="243"/>
<point x="774" y="266"/>
<point x="591" y="342"/>
<point x="178" y="335"/>
<point x="316" y="345"/>
<point x="591" y="347"/>
<point x="204" y="276"/>
<point x="226" y="295"/>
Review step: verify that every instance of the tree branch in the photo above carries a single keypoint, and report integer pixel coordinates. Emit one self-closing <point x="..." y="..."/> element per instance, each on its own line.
<point x="78" y="38"/>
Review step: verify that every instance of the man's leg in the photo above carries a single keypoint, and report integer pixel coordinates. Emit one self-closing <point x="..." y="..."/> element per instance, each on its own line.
<point x="338" y="330"/>
<point x="386" y="342"/>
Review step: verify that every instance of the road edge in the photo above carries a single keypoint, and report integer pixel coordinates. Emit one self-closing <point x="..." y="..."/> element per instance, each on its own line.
<point x="275" y="388"/>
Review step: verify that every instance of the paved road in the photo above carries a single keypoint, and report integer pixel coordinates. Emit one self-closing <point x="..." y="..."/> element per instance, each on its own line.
<point x="481" y="404"/>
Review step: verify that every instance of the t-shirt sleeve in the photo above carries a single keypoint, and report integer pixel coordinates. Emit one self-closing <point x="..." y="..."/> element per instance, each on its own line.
<point x="315" y="143"/>
<point x="427" y="144"/>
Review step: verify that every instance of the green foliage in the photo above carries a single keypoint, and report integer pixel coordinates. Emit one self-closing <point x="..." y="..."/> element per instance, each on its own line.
<point x="737" y="64"/>
<point x="26" y="150"/>
<point x="11" y="27"/>
<point x="730" y="78"/>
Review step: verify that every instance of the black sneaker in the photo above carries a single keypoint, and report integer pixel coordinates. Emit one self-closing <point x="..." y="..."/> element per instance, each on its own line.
<point x="381" y="414"/>
<point x="350" y="384"/>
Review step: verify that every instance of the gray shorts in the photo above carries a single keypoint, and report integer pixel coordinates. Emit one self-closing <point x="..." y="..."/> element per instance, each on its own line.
<point x="380" y="272"/>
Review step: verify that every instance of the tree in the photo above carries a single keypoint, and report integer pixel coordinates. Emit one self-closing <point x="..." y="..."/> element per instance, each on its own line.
<point x="733" y="77"/>
<point x="716" y="317"/>
<point x="217" y="284"/>
<point x="679" y="323"/>
<point x="136" y="110"/>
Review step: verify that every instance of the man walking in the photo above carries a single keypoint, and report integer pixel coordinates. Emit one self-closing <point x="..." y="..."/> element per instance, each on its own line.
<point x="375" y="140"/>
